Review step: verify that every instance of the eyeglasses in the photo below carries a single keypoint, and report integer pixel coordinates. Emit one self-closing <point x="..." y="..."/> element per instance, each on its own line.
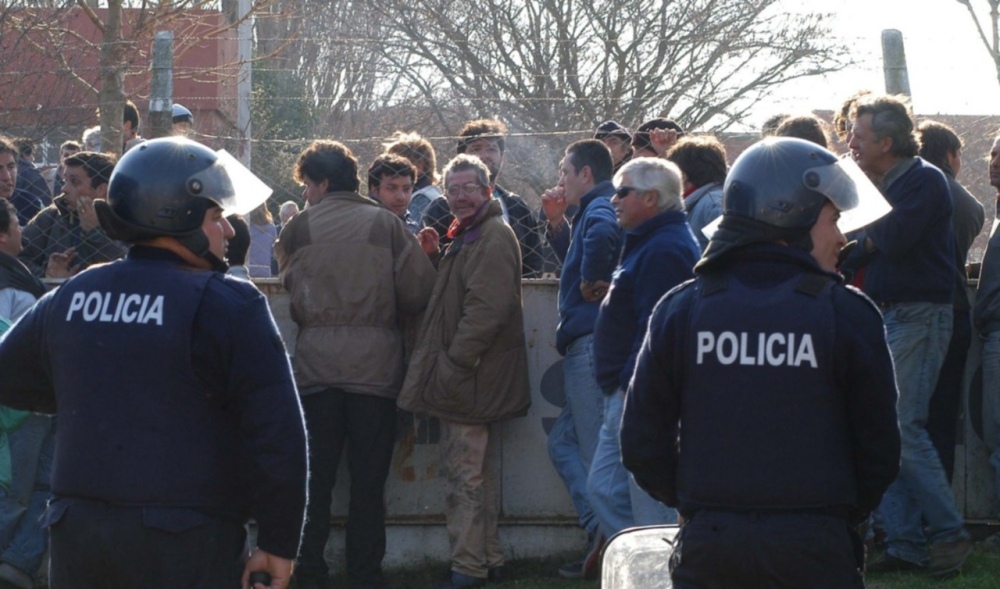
<point x="623" y="191"/>
<point x="470" y="189"/>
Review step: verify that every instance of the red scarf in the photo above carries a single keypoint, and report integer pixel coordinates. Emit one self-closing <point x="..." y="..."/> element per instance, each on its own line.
<point x="458" y="227"/>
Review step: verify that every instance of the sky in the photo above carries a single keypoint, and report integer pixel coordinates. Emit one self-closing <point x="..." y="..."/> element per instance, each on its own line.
<point x="950" y="70"/>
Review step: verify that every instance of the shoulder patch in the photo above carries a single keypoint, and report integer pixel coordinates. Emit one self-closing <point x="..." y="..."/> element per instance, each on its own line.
<point x="713" y="282"/>
<point x="856" y="294"/>
<point x="234" y="288"/>
<point x="813" y="284"/>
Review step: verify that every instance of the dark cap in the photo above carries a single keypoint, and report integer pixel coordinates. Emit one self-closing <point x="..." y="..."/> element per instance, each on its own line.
<point x="640" y="140"/>
<point x="612" y="128"/>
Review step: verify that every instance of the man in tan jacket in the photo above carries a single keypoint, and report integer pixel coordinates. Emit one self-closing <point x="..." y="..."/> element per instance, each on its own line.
<point x="470" y="366"/>
<point x="354" y="273"/>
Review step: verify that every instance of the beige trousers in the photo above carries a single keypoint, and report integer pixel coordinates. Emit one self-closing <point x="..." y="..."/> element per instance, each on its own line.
<point x="471" y="463"/>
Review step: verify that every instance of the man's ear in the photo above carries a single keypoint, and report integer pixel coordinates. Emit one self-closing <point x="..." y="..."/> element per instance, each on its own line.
<point x="650" y="197"/>
<point x="102" y="191"/>
<point x="886" y="144"/>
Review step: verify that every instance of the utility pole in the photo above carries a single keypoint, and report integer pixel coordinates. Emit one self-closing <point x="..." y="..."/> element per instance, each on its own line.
<point x="244" y="82"/>
<point x="897" y="80"/>
<point x="161" y="94"/>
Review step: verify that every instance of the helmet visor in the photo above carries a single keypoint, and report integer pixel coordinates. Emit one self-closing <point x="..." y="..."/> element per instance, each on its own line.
<point x="858" y="200"/>
<point x="249" y="191"/>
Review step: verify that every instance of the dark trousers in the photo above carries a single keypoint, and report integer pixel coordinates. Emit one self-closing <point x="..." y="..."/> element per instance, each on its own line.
<point x="96" y="546"/>
<point x="942" y="415"/>
<point x="722" y="550"/>
<point x="367" y="426"/>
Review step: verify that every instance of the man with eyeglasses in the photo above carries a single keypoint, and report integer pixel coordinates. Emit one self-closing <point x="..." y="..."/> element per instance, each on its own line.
<point x="485" y="139"/>
<point x="470" y="367"/>
<point x="659" y="253"/>
<point x="588" y="246"/>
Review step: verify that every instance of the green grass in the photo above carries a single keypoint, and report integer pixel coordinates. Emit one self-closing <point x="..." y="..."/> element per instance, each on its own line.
<point x="981" y="571"/>
<point x="521" y="573"/>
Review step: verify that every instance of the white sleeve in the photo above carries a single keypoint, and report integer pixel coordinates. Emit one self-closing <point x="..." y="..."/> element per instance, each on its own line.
<point x="14" y="303"/>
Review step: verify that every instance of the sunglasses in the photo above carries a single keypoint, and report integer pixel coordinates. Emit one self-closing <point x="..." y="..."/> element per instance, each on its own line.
<point x="623" y="191"/>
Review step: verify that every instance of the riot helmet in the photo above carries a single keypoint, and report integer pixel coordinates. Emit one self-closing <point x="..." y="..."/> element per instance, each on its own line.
<point x="181" y="114"/>
<point x="776" y="189"/>
<point x="164" y="187"/>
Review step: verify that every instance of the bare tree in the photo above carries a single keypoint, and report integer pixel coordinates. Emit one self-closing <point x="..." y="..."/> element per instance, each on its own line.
<point x="556" y="66"/>
<point x="990" y="39"/>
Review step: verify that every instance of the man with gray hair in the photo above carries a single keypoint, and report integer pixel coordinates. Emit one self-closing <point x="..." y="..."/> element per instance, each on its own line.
<point x="910" y="261"/>
<point x="470" y="367"/>
<point x="659" y="252"/>
<point x="288" y="209"/>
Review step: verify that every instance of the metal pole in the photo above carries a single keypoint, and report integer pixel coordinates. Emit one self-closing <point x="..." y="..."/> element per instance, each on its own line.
<point x="897" y="80"/>
<point x="161" y="93"/>
<point x="245" y="81"/>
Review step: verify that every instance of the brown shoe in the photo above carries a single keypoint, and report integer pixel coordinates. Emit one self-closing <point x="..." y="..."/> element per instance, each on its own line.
<point x="948" y="557"/>
<point x="887" y="563"/>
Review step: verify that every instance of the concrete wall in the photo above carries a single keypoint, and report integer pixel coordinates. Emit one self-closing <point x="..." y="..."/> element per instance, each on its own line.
<point x="537" y="516"/>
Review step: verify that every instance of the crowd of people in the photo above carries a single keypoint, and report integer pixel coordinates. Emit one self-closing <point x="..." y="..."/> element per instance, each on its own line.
<point x="731" y="360"/>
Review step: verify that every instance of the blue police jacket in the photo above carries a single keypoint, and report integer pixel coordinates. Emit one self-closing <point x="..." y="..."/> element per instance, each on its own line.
<point x="173" y="393"/>
<point x="765" y="385"/>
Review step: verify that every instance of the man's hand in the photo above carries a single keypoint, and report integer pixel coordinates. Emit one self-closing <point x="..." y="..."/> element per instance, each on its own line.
<point x="85" y="210"/>
<point x="554" y="205"/>
<point x="59" y="264"/>
<point x="430" y="242"/>
<point x="279" y="568"/>
<point x="662" y="139"/>
<point x="593" y="291"/>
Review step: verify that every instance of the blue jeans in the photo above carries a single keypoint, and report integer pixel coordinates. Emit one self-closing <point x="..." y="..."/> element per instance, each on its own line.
<point x="918" y="335"/>
<point x="647" y="511"/>
<point x="573" y="439"/>
<point x="565" y="455"/>
<point x="22" y="539"/>
<point x="607" y="484"/>
<point x="991" y="394"/>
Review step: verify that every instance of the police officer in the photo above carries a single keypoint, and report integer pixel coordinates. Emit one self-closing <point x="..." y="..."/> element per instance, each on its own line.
<point x="763" y="400"/>
<point x="178" y="415"/>
<point x="183" y="119"/>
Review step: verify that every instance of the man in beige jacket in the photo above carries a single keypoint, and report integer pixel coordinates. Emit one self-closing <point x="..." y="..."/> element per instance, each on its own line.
<point x="354" y="273"/>
<point x="470" y="366"/>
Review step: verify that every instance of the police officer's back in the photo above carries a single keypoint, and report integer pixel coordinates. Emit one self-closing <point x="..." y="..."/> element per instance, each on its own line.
<point x="763" y="401"/>
<point x="178" y="415"/>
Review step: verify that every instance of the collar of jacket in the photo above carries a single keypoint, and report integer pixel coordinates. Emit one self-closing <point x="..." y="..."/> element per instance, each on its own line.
<point x="605" y="188"/>
<point x="651" y="224"/>
<point x="695" y="195"/>
<point x="351" y="196"/>
<point x="474" y="231"/>
<point x="62" y="207"/>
